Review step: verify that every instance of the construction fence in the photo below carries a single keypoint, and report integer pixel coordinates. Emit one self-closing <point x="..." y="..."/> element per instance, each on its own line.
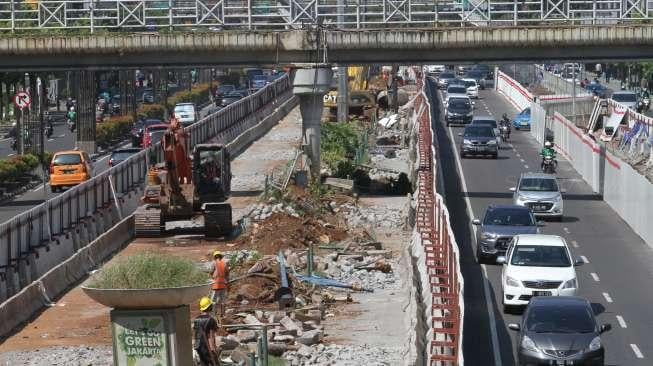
<point x="435" y="253"/>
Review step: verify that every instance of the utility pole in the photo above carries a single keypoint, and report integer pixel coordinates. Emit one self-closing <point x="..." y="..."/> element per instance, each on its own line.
<point x="573" y="93"/>
<point x="342" y="100"/>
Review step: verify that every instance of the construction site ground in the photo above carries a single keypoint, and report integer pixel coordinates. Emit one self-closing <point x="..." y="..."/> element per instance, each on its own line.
<point x="368" y="328"/>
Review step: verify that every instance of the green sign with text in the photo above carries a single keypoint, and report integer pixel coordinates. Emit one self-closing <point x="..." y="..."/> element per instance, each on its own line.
<point x="140" y="340"/>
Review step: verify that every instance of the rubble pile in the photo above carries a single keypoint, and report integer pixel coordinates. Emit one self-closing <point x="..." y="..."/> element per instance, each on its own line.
<point x="334" y="354"/>
<point x="263" y="211"/>
<point x="376" y="216"/>
<point x="369" y="273"/>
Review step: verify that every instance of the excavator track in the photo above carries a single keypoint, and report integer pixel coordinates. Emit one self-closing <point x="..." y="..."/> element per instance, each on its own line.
<point x="147" y="221"/>
<point x="217" y="220"/>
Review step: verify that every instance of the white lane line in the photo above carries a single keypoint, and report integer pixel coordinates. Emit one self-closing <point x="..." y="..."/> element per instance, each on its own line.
<point x="518" y="155"/>
<point x="522" y="160"/>
<point x="511" y="146"/>
<point x="621" y="321"/>
<point x="12" y="154"/>
<point x="574" y="243"/>
<point x="525" y="166"/>
<point x="486" y="286"/>
<point x="584" y="258"/>
<point x="50" y="140"/>
<point x="607" y="297"/>
<point x="7" y="139"/>
<point x="566" y="230"/>
<point x="638" y="353"/>
<point x="595" y="277"/>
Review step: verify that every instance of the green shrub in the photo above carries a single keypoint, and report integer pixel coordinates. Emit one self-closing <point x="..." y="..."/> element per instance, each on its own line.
<point x="146" y="111"/>
<point x="148" y="270"/>
<point x="17" y="166"/>
<point x="339" y="142"/>
<point x="199" y="94"/>
<point x="113" y="129"/>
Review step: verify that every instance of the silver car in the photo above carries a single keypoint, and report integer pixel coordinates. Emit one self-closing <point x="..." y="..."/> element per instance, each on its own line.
<point x="499" y="225"/>
<point x="539" y="192"/>
<point x="626" y="98"/>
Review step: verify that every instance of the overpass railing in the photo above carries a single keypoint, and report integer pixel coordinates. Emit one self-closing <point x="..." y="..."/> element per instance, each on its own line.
<point x="138" y="15"/>
<point x="35" y="228"/>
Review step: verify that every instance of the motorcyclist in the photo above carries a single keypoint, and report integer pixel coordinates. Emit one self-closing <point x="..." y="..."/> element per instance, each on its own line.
<point x="547" y="151"/>
<point x="72" y="115"/>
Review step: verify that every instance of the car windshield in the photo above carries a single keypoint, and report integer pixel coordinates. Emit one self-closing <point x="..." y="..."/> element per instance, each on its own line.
<point x="459" y="103"/>
<point x="525" y="112"/>
<point x="509" y="217"/>
<point x="67" y="159"/>
<point x="184" y="108"/>
<point x="469" y="83"/>
<point x="227" y="87"/>
<point x="489" y="122"/>
<point x="538" y="185"/>
<point x="626" y="97"/>
<point x="447" y="75"/>
<point x="560" y="319"/>
<point x="540" y="256"/>
<point x="479" y="131"/>
<point x="456" y="90"/>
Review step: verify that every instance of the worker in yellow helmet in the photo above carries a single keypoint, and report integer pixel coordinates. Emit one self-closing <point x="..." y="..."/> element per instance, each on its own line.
<point x="205" y="328"/>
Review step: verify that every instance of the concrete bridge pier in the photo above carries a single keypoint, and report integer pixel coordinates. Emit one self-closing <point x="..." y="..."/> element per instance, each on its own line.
<point x="126" y="81"/>
<point x="86" y="109"/>
<point x="310" y="85"/>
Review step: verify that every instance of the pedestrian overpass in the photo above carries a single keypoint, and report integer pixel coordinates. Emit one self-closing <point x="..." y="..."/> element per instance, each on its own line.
<point x="53" y="34"/>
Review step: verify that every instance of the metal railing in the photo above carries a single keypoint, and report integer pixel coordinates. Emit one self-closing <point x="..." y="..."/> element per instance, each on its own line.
<point x="138" y="15"/>
<point x="57" y="216"/>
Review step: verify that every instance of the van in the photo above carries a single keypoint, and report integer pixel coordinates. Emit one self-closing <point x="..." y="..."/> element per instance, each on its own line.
<point x="186" y="113"/>
<point x="69" y="168"/>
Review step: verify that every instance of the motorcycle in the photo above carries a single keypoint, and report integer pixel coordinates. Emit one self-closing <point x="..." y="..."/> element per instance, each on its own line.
<point x="504" y="131"/>
<point x="48" y="130"/>
<point x="71" y="124"/>
<point x="548" y="164"/>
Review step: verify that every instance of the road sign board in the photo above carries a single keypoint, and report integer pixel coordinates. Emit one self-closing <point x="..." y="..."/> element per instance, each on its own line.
<point x="22" y="100"/>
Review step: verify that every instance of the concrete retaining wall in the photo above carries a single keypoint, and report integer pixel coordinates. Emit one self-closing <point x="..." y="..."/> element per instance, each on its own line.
<point x="621" y="186"/>
<point x="516" y="94"/>
<point x="64" y="262"/>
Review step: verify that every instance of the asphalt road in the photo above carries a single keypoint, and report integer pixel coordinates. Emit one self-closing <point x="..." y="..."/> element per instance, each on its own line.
<point x="61" y="139"/>
<point x="618" y="269"/>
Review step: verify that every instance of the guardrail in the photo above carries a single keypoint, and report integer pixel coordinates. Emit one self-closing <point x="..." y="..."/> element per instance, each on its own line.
<point x="437" y="258"/>
<point x="135" y="15"/>
<point x="36" y="228"/>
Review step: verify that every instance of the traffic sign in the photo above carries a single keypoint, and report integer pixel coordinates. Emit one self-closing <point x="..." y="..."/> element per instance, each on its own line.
<point x="22" y="100"/>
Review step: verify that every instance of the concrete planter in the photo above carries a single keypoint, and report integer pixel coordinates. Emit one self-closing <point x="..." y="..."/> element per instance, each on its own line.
<point x="158" y="298"/>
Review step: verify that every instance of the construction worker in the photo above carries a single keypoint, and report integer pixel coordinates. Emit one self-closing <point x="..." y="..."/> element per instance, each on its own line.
<point x="205" y="328"/>
<point x="220" y="280"/>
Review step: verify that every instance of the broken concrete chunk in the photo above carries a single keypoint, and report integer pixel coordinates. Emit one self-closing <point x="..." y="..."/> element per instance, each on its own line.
<point x="227" y="343"/>
<point x="289" y="324"/>
<point x="246" y="335"/>
<point x="310" y="338"/>
<point x="283" y="338"/>
<point x="251" y="319"/>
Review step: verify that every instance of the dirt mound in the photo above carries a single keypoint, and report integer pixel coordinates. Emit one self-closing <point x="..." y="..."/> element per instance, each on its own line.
<point x="282" y="231"/>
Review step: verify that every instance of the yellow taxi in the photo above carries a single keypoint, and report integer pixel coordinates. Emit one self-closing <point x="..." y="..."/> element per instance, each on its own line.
<point x="69" y="168"/>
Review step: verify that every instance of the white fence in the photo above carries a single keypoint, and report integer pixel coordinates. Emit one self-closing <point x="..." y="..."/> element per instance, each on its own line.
<point x="516" y="94"/>
<point x="623" y="188"/>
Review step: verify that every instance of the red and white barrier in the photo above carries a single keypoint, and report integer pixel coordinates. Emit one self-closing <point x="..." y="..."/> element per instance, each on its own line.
<point x="516" y="94"/>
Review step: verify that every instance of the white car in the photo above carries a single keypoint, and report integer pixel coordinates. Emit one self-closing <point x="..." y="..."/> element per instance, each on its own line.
<point x="537" y="265"/>
<point x="186" y="113"/>
<point x="435" y="69"/>
<point x="472" y="88"/>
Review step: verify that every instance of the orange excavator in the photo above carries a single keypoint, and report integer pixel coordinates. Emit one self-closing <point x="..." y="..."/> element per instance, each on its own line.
<point x="184" y="187"/>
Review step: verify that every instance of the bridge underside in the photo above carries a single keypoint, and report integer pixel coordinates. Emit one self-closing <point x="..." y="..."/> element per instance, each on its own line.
<point x="353" y="47"/>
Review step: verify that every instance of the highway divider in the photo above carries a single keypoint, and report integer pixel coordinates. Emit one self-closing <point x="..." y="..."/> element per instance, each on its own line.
<point x="37" y="240"/>
<point x="435" y="256"/>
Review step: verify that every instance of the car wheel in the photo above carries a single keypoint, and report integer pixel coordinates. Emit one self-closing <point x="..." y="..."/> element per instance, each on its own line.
<point x="517" y="128"/>
<point x="479" y="257"/>
<point x="495" y="155"/>
<point x="559" y="218"/>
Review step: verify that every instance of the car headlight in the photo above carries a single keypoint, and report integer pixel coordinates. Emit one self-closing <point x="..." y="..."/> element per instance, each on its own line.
<point x="558" y="198"/>
<point x="528" y="344"/>
<point x="573" y="283"/>
<point x="511" y="282"/>
<point x="492" y="142"/>
<point x="470" y="114"/>
<point x="488" y="236"/>
<point x="595" y="344"/>
<point x="467" y="142"/>
<point x="521" y="198"/>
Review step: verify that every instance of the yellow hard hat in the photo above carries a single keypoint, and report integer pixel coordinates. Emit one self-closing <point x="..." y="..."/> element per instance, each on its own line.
<point x="217" y="253"/>
<point x="205" y="303"/>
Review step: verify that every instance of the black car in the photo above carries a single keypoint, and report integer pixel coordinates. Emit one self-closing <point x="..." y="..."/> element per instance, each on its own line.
<point x="139" y="127"/>
<point x="221" y="91"/>
<point x="479" y="140"/>
<point x="486" y="70"/>
<point x="560" y="330"/>
<point x="120" y="155"/>
<point x="445" y="78"/>
<point x="459" y="110"/>
<point x="477" y="75"/>
<point x="231" y="97"/>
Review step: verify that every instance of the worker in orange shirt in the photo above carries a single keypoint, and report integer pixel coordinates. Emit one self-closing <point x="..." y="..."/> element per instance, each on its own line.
<point x="220" y="281"/>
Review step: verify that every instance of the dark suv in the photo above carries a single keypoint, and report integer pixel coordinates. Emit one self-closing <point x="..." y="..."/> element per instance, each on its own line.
<point x="479" y="140"/>
<point x="459" y="110"/>
<point x="560" y="330"/>
<point x="499" y="225"/>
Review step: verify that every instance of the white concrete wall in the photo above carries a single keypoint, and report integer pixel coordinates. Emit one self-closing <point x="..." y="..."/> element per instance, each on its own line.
<point x="516" y="94"/>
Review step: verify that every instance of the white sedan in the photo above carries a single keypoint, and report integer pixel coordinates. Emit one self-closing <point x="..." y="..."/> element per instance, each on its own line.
<point x="537" y="265"/>
<point x="472" y="88"/>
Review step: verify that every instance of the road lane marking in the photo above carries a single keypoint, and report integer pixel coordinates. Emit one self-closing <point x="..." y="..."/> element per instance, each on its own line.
<point x="12" y="154"/>
<point x="595" y="277"/>
<point x="486" y="283"/>
<point x="519" y="155"/>
<point x="522" y="160"/>
<point x="574" y="243"/>
<point x="50" y="140"/>
<point x="566" y="230"/>
<point x="607" y="297"/>
<point x="525" y="166"/>
<point x="584" y="258"/>
<point x="621" y="321"/>
<point x="638" y="353"/>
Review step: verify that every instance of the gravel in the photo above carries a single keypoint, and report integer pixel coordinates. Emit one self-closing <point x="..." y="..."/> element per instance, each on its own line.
<point x="323" y="355"/>
<point x="380" y="217"/>
<point x="60" y="356"/>
<point x="345" y="271"/>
